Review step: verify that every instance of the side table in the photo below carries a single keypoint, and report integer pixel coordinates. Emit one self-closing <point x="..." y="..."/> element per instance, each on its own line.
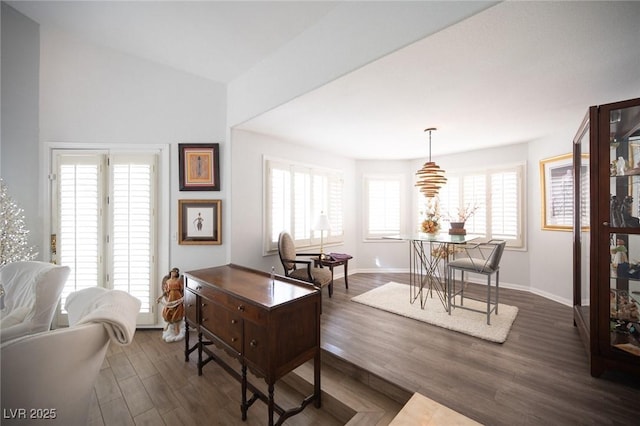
<point x="334" y="260"/>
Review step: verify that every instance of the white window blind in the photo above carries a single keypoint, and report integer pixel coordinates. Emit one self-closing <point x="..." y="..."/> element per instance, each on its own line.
<point x="295" y="195"/>
<point x="382" y="206"/>
<point x="107" y="240"/>
<point x="497" y="195"/>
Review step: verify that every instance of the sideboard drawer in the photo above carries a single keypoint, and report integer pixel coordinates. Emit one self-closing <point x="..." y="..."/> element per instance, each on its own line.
<point x="225" y="324"/>
<point x="190" y="307"/>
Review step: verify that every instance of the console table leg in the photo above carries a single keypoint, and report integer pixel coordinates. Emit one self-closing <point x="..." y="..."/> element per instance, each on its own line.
<point x="243" y="406"/>
<point x="346" y="274"/>
<point x="200" y="354"/>
<point x="316" y="381"/>
<point x="270" y="404"/>
<point x="186" y="341"/>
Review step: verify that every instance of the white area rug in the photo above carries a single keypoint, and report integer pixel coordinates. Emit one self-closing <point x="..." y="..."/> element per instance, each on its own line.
<point x="393" y="297"/>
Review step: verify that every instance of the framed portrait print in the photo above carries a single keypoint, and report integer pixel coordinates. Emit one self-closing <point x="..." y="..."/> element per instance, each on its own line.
<point x="199" y="222"/>
<point x="199" y="167"/>
<point x="557" y="189"/>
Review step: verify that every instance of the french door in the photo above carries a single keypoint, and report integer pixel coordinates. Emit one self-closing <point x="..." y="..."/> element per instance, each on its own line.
<point x="104" y="223"/>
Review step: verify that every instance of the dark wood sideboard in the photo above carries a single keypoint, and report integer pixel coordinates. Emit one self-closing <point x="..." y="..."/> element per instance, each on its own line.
<point x="269" y="323"/>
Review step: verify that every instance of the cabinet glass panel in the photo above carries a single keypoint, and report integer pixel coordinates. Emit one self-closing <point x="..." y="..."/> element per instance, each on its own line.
<point x="583" y="191"/>
<point x="624" y="296"/>
<point x="624" y="167"/>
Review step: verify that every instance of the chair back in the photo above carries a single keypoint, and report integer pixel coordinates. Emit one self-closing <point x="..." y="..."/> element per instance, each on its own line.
<point x="286" y="251"/>
<point x="494" y="262"/>
<point x="32" y="292"/>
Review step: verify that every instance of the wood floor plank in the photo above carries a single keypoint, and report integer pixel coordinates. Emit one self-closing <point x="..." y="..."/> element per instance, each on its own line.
<point x="539" y="376"/>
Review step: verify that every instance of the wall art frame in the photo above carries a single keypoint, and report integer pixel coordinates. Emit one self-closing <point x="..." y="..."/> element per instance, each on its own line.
<point x="199" y="166"/>
<point x="199" y="222"/>
<point x="557" y="191"/>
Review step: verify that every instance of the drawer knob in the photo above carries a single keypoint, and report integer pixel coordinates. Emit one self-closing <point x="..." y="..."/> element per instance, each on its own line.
<point x="241" y="308"/>
<point x="253" y="343"/>
<point x="233" y="321"/>
<point x="205" y="319"/>
<point x="203" y="305"/>
<point x="233" y="339"/>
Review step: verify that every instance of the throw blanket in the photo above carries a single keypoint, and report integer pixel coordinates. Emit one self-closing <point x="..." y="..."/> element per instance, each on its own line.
<point x="116" y="309"/>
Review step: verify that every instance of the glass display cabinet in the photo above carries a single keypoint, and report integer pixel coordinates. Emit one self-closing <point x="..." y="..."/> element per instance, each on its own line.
<point x="606" y="230"/>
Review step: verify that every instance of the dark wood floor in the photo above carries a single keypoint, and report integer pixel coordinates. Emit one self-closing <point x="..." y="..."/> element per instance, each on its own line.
<point x="539" y="376"/>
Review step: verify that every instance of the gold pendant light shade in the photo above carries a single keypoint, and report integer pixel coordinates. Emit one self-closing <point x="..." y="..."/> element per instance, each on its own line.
<point x="430" y="176"/>
<point x="430" y="179"/>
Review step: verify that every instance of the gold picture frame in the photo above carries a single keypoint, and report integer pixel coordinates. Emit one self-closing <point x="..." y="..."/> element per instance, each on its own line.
<point x="199" y="222"/>
<point x="557" y="190"/>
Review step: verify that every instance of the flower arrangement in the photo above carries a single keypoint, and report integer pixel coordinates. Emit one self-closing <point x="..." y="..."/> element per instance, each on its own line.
<point x="431" y="222"/>
<point x="464" y="214"/>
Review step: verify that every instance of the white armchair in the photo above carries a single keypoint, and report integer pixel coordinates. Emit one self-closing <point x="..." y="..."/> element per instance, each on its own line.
<point x="53" y="372"/>
<point x="31" y="294"/>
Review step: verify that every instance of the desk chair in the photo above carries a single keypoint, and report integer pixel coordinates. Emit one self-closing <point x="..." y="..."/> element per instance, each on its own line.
<point x="319" y="277"/>
<point x="481" y="258"/>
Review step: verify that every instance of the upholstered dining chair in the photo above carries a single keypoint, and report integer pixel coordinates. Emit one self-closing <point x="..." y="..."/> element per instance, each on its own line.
<point x="318" y="276"/>
<point x="481" y="258"/>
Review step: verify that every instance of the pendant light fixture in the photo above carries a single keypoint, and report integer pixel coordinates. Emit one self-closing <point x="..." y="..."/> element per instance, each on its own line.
<point x="430" y="176"/>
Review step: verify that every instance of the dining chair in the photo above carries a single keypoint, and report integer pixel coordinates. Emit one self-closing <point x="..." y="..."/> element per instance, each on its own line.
<point x="481" y="258"/>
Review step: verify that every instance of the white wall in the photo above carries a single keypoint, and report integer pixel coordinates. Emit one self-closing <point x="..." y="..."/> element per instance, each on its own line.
<point x="94" y="95"/>
<point x="550" y="252"/>
<point x="248" y="150"/>
<point x="19" y="159"/>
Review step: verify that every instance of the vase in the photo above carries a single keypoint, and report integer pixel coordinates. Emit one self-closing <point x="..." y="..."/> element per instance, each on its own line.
<point x="457" y="228"/>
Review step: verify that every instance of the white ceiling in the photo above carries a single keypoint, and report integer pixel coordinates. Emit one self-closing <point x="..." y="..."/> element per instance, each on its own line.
<point x="516" y="72"/>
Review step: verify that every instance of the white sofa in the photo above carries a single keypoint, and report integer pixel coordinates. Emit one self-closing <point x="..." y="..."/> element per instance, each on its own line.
<point x="31" y="294"/>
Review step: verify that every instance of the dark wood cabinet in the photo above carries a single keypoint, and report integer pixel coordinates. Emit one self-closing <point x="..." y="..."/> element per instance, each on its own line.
<point x="270" y="323"/>
<point x="606" y="248"/>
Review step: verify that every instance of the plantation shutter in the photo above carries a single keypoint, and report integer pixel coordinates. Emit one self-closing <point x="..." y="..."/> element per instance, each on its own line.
<point x="295" y="195"/>
<point x="132" y="239"/>
<point x="504" y="205"/>
<point x="383" y="207"/>
<point x="105" y="224"/>
<point x="474" y="193"/>
<point x="79" y="221"/>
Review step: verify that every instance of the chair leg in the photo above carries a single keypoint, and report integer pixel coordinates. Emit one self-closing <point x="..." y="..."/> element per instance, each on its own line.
<point x="497" y="289"/>
<point x="489" y="299"/>
<point x="451" y="286"/>
<point x="331" y="288"/>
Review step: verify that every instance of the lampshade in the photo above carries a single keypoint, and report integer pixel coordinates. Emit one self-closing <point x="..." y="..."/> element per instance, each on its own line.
<point x="322" y="223"/>
<point x="430" y="176"/>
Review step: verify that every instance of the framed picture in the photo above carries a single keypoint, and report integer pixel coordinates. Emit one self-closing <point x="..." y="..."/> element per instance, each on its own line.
<point x="557" y="188"/>
<point x="199" y="167"/>
<point x="199" y="221"/>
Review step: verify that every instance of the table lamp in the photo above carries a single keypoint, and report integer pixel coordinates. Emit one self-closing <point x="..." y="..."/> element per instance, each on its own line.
<point x="322" y="224"/>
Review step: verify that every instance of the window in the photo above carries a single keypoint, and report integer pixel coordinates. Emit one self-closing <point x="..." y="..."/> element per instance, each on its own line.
<point x="104" y="219"/>
<point x="382" y="206"/>
<point x="497" y="193"/>
<point x="295" y="195"/>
